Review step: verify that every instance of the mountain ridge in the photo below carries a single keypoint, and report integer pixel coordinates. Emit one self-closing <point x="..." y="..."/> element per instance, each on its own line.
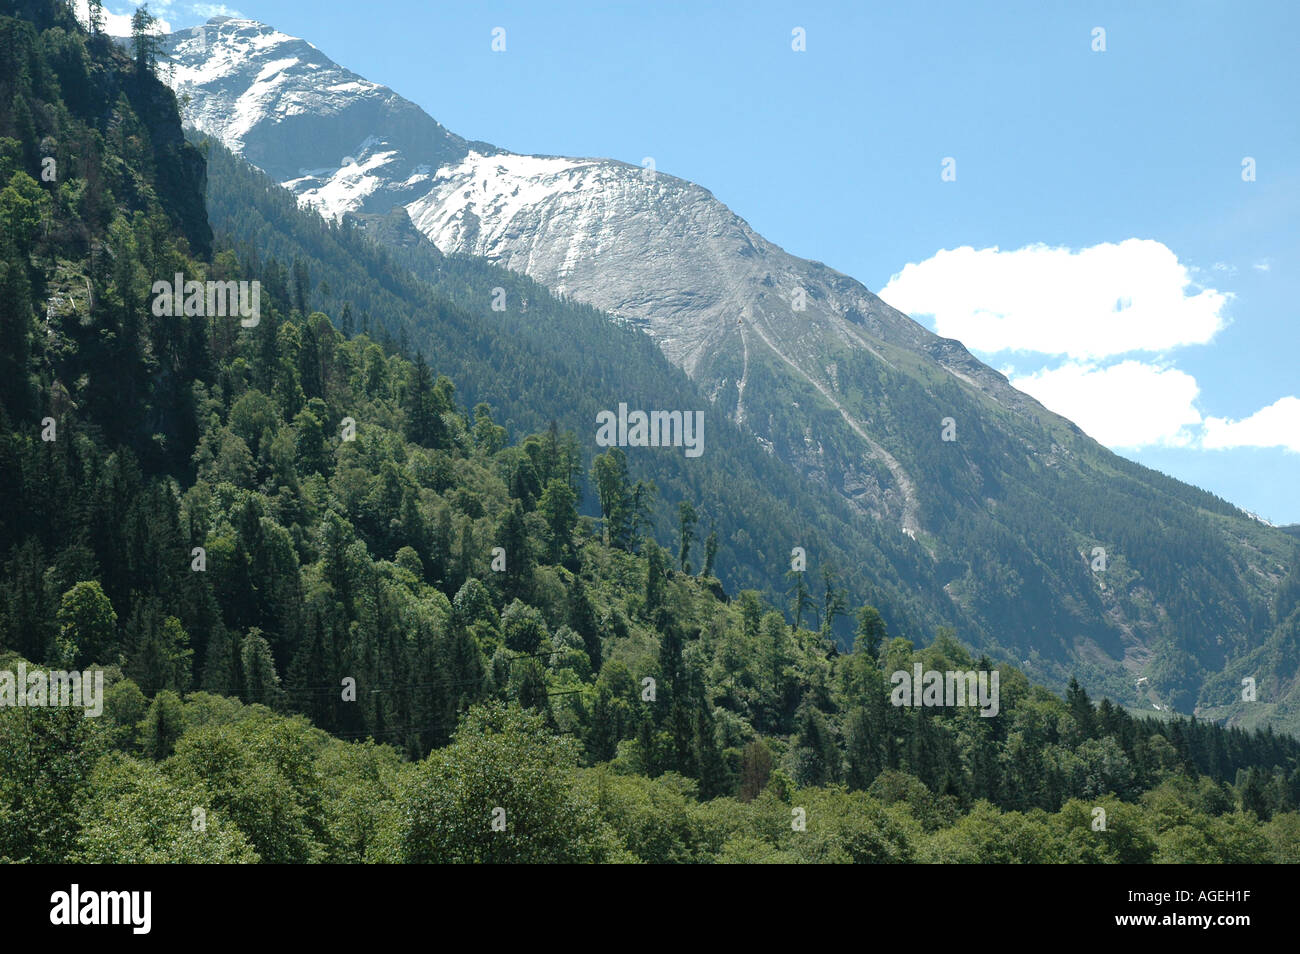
<point x="233" y="523"/>
<point x="827" y="377"/>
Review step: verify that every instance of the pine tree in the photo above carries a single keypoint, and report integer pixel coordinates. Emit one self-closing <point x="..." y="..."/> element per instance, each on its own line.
<point x="15" y="330"/>
<point x="681" y="727"/>
<point x="650" y="763"/>
<point x="517" y="579"/>
<point x="220" y="675"/>
<point x="814" y="755"/>
<point x="755" y="769"/>
<point x="582" y="619"/>
<point x="143" y="40"/>
<point x="609" y="474"/>
<point x="163" y="725"/>
<point x="710" y="552"/>
<point x="1080" y="709"/>
<point x="862" y="749"/>
<point x="710" y="769"/>
<point x="686" y="521"/>
<point x="833" y="604"/>
<point x="160" y="655"/>
<point x="558" y="507"/>
<point x="442" y="550"/>
<point x="654" y="578"/>
<point x="261" y="682"/>
<point x="751" y="613"/>
<point x="423" y="426"/>
<point x="870" y="633"/>
<point x="601" y="740"/>
<point x="775" y="649"/>
<point x="1251" y="790"/>
<point x="643" y="495"/>
<point x="800" y="598"/>
<point x="95" y="17"/>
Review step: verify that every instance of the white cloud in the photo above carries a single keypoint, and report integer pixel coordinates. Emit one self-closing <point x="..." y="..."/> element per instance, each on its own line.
<point x="1133" y="404"/>
<point x="1127" y="405"/>
<point x="119" y="24"/>
<point x="214" y="10"/>
<point x="1262" y="266"/>
<point x="1109" y="299"/>
<point x="1277" y="425"/>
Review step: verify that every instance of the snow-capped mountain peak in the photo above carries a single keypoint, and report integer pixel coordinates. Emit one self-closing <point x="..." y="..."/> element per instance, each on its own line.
<point x="345" y="143"/>
<point x="647" y="247"/>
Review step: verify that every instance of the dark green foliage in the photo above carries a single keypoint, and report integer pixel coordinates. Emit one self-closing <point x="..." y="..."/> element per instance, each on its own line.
<point x="300" y="523"/>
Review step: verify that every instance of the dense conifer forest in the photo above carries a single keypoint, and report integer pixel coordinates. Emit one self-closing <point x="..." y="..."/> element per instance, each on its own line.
<point x="357" y="599"/>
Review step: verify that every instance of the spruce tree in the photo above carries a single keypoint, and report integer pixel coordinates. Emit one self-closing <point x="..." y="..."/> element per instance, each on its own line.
<point x="686" y="521"/>
<point x="261" y="682"/>
<point x="143" y="41"/>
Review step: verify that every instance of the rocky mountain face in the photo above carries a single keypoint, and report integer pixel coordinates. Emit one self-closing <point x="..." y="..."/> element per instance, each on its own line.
<point x="302" y="118"/>
<point x="1009" y="501"/>
<point x="642" y="245"/>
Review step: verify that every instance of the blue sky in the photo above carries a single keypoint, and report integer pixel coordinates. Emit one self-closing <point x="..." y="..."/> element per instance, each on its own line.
<point x="1113" y="260"/>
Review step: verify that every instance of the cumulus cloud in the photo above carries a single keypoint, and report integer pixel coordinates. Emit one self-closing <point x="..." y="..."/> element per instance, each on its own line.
<point x="119" y="24"/>
<point x="1277" y="425"/>
<point x="1106" y="300"/>
<point x="1127" y="405"/>
<point x="214" y="10"/>
<point x="1132" y="404"/>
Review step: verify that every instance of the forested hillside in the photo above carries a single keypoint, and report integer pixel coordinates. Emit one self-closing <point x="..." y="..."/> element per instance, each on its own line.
<point x="993" y="527"/>
<point x="544" y="353"/>
<point x="345" y="615"/>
